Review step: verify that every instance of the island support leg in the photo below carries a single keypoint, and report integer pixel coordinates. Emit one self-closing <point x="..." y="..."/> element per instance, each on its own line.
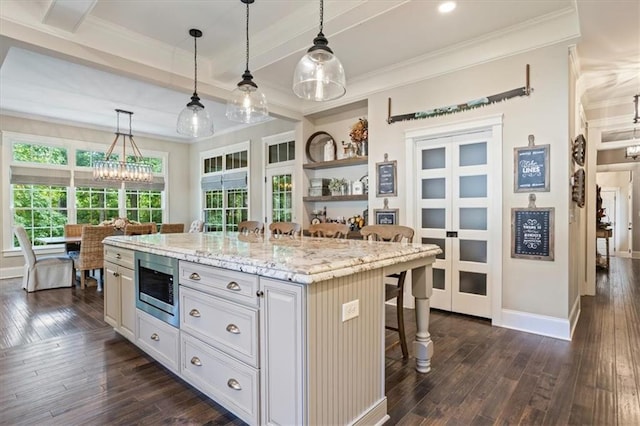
<point x="422" y="288"/>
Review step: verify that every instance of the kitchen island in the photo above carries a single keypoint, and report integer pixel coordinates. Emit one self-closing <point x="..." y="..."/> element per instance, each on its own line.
<point x="287" y="330"/>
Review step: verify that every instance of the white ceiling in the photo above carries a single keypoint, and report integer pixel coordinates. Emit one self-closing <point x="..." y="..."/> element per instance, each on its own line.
<point x="77" y="60"/>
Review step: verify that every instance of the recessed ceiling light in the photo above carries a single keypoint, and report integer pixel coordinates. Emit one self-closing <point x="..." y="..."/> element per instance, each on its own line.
<point x="447" y="6"/>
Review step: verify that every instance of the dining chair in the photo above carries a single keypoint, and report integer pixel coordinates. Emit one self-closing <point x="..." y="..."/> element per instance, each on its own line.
<point x="91" y="255"/>
<point x="45" y="272"/>
<point x="251" y="226"/>
<point x="72" y="230"/>
<point x="196" y="226"/>
<point x="284" y="228"/>
<point x="329" y="230"/>
<point x="172" y="228"/>
<point x="142" y="229"/>
<point x="152" y="225"/>
<point x="393" y="233"/>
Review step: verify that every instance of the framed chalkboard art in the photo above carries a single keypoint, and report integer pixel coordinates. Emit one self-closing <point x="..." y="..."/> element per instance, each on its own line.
<point x="532" y="234"/>
<point x="531" y="168"/>
<point x="386" y="216"/>
<point x="386" y="178"/>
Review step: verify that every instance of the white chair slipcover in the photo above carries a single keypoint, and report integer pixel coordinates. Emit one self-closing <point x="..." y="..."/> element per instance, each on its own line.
<point x="196" y="226"/>
<point x="43" y="272"/>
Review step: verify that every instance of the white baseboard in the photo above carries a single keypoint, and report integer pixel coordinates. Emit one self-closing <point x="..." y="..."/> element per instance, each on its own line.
<point x="14" y="272"/>
<point x="559" y="328"/>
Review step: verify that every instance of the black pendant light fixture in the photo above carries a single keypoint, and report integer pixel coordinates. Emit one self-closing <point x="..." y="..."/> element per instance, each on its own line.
<point x="194" y="120"/>
<point x="319" y="75"/>
<point x="247" y="103"/>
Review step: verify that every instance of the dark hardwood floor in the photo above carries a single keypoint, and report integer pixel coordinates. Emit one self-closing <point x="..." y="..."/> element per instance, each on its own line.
<point x="60" y="364"/>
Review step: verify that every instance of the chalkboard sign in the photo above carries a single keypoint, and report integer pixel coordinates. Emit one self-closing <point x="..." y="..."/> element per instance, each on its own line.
<point x="532" y="233"/>
<point x="386" y="179"/>
<point x="386" y="216"/>
<point x="531" y="167"/>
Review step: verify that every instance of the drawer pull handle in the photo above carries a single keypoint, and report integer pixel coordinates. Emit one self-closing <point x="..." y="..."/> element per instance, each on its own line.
<point x="155" y="337"/>
<point x="234" y="384"/>
<point x="194" y="276"/>
<point x="196" y="361"/>
<point x="115" y="274"/>
<point x="233" y="329"/>
<point x="194" y="313"/>
<point x="118" y="256"/>
<point x="233" y="286"/>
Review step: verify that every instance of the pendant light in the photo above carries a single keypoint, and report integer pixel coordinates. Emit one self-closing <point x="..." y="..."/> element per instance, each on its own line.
<point x="319" y="75"/>
<point x="247" y="103"/>
<point x="127" y="169"/>
<point x="194" y="120"/>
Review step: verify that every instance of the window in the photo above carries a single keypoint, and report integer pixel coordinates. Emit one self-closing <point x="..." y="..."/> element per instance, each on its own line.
<point x="225" y="189"/>
<point x="51" y="184"/>
<point x="281" y="154"/>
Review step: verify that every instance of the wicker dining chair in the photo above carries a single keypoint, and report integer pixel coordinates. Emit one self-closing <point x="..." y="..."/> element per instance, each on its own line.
<point x="152" y="225"/>
<point x="393" y="233"/>
<point x="284" y="228"/>
<point x="172" y="228"/>
<point x="251" y="226"/>
<point x="329" y="230"/>
<point x="142" y="229"/>
<point x="91" y="255"/>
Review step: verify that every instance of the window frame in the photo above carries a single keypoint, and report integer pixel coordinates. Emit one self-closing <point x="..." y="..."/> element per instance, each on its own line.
<point x="224" y="151"/>
<point x="9" y="139"/>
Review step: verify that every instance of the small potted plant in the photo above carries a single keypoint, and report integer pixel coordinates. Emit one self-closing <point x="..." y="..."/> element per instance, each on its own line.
<point x="336" y="186"/>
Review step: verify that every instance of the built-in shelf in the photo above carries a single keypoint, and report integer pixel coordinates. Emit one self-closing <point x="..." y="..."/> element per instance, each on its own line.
<point x="336" y="163"/>
<point x="361" y="197"/>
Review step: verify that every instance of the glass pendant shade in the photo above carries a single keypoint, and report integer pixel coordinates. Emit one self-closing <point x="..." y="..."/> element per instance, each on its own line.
<point x="247" y="103"/>
<point x="319" y="76"/>
<point x="194" y="120"/>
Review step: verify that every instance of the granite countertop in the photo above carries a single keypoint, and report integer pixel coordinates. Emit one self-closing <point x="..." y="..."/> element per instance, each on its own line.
<point x="302" y="260"/>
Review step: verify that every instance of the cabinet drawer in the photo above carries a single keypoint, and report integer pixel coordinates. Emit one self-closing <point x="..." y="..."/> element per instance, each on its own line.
<point x="234" y="285"/>
<point x="227" y="326"/>
<point x="119" y="256"/>
<point x="158" y="339"/>
<point x="228" y="381"/>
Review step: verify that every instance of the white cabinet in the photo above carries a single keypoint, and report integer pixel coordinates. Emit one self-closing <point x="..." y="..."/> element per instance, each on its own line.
<point x="119" y="291"/>
<point x="219" y="336"/>
<point x="282" y="353"/>
<point x="159" y="339"/>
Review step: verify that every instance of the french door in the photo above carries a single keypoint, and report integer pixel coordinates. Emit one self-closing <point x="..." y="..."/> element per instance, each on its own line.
<point x="279" y="194"/>
<point x="456" y="183"/>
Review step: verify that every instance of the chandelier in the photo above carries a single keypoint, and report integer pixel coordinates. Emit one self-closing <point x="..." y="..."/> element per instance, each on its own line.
<point x="128" y="169"/>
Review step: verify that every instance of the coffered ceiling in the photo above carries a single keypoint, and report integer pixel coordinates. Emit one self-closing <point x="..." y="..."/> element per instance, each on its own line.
<point x="76" y="60"/>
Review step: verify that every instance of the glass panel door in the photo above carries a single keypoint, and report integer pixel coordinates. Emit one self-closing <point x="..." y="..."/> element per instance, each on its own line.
<point x="454" y="188"/>
<point x="279" y="191"/>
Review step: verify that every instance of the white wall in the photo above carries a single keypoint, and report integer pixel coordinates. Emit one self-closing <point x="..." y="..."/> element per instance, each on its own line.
<point x="536" y="287"/>
<point x="254" y="134"/>
<point x="620" y="181"/>
<point x="178" y="183"/>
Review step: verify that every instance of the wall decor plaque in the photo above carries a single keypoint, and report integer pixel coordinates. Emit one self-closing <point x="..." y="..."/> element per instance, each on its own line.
<point x="578" y="148"/>
<point x="386" y="178"/>
<point x="385" y="215"/>
<point x="531" y="167"/>
<point x="532" y="232"/>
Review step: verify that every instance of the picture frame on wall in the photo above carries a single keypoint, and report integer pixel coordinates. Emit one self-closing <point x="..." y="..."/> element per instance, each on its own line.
<point x="385" y="216"/>
<point x="531" y="168"/>
<point x="386" y="178"/>
<point x="532" y="233"/>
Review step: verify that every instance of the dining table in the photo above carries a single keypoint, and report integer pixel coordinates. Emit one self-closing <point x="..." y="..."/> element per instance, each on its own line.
<point x="59" y="240"/>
